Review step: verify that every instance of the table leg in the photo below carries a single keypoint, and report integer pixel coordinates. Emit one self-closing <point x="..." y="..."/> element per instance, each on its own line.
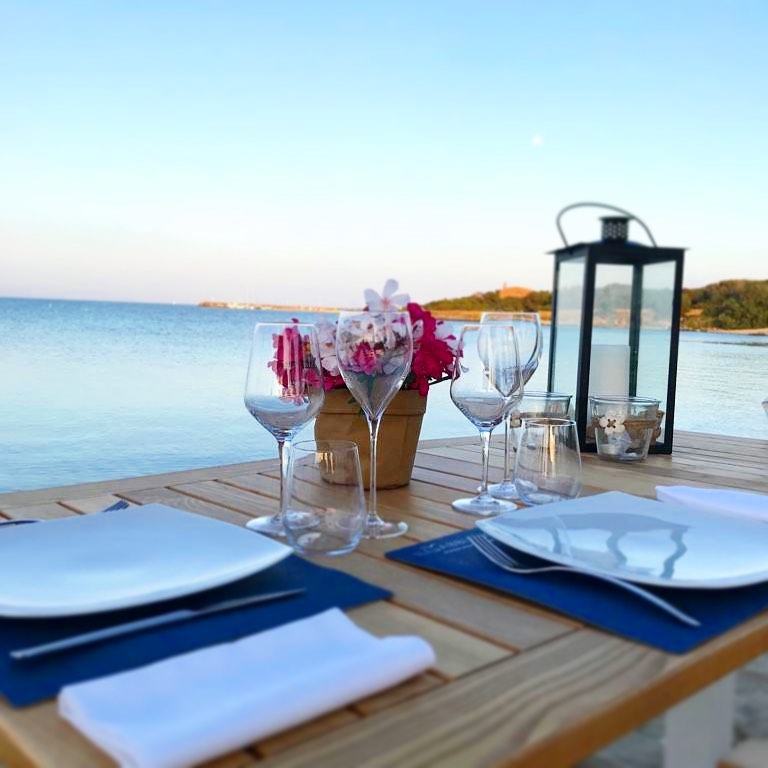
<point x="699" y="731"/>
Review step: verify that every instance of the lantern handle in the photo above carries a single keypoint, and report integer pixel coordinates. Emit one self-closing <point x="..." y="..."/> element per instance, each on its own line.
<point x="600" y="205"/>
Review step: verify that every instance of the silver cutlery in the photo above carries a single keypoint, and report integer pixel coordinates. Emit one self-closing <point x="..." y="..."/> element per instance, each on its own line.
<point x="26" y="520"/>
<point x="163" y="620"/>
<point x="498" y="557"/>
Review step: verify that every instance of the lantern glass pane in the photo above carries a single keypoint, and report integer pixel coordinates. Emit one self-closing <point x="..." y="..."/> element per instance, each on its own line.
<point x="609" y="365"/>
<point x="567" y="324"/>
<point x="656" y="332"/>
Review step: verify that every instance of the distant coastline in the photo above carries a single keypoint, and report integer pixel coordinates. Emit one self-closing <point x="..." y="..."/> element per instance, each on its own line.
<point x="469" y="315"/>
<point x="266" y="307"/>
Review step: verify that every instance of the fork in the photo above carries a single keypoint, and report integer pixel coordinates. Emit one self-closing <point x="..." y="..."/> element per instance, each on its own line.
<point x="498" y="557"/>
<point x="122" y="504"/>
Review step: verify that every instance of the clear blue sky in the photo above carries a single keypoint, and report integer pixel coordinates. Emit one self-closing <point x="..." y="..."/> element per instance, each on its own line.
<point x="301" y="151"/>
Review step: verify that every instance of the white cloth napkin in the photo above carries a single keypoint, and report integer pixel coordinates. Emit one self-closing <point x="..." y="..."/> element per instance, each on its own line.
<point x="726" y="500"/>
<point x="191" y="708"/>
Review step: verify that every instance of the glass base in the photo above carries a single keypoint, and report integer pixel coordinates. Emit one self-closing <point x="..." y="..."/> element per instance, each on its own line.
<point x="482" y="505"/>
<point x="269" y="525"/>
<point x="505" y="490"/>
<point x="532" y="495"/>
<point x="543" y="497"/>
<point x="316" y="543"/>
<point x="381" y="529"/>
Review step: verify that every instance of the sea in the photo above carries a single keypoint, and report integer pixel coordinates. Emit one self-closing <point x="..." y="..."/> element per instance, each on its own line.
<point x="101" y="390"/>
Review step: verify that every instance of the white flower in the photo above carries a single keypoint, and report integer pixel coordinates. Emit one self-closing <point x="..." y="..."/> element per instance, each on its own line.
<point x="326" y="334"/>
<point x="388" y="301"/>
<point x="612" y="423"/>
<point x="443" y="331"/>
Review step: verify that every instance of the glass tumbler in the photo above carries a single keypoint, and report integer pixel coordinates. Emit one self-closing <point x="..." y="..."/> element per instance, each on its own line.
<point x="537" y="405"/>
<point x="325" y="510"/>
<point x="548" y="464"/>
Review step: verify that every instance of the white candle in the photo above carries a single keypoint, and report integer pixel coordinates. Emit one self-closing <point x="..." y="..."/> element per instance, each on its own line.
<point x="609" y="370"/>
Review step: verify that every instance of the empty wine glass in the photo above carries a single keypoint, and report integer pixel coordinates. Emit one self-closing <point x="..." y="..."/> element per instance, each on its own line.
<point x="374" y="352"/>
<point x="487" y="382"/>
<point x="325" y="513"/>
<point x="283" y="392"/>
<point x="527" y="327"/>
<point x="548" y="466"/>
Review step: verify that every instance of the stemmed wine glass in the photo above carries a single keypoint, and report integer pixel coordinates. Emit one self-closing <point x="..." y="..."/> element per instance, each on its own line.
<point x="283" y="392"/>
<point x="374" y="352"/>
<point x="487" y="383"/>
<point x="527" y="327"/>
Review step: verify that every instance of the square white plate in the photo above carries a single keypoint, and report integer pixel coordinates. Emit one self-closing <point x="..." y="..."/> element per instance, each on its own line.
<point x="128" y="557"/>
<point x="640" y="540"/>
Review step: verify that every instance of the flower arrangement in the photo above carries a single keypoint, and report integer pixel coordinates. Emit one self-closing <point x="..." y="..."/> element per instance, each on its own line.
<point x="434" y="344"/>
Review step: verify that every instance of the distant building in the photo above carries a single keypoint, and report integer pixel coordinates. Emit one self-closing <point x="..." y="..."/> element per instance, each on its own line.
<point x="513" y="292"/>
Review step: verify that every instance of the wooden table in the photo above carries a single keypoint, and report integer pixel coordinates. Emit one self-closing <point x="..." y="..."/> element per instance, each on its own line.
<point x="514" y="684"/>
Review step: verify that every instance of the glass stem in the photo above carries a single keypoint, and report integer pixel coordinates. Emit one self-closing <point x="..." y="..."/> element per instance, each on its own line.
<point x="283" y="450"/>
<point x="373" y="429"/>
<point x="508" y="449"/>
<point x="485" y="441"/>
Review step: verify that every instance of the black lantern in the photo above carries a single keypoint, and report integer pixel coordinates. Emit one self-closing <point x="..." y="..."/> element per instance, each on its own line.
<point x="616" y="322"/>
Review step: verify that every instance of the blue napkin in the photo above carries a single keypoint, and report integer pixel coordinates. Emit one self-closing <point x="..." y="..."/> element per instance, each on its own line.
<point x="592" y="601"/>
<point x="26" y="682"/>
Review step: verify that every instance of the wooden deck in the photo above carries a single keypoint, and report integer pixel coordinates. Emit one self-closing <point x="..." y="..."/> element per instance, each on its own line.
<point x="514" y="684"/>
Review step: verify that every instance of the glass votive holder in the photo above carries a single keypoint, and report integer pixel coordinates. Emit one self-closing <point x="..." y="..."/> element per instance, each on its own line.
<point x="623" y="426"/>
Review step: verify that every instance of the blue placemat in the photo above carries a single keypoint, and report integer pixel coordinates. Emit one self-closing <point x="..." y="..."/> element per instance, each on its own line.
<point x="26" y="682"/>
<point x="592" y="601"/>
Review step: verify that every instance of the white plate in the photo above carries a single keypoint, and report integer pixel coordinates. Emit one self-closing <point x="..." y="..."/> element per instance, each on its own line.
<point x="100" y="562"/>
<point x="639" y="540"/>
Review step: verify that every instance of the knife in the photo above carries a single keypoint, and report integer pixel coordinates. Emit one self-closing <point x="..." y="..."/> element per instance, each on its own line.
<point x="164" y="619"/>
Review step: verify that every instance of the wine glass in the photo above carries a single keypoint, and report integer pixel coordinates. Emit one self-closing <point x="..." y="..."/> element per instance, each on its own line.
<point x="325" y="486"/>
<point x="374" y="352"/>
<point x="283" y="392"/>
<point x="487" y="383"/>
<point x="548" y="465"/>
<point x="527" y="327"/>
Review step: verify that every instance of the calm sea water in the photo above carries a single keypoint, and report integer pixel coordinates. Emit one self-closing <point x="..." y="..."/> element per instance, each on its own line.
<point x="96" y="390"/>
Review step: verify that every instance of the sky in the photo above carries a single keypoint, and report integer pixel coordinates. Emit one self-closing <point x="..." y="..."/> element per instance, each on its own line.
<point x="296" y="152"/>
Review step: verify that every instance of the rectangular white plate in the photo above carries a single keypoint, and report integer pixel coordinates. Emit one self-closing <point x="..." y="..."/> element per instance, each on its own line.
<point x="639" y="540"/>
<point x="128" y="557"/>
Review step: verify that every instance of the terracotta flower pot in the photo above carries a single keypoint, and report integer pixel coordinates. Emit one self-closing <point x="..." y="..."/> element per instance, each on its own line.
<point x="341" y="419"/>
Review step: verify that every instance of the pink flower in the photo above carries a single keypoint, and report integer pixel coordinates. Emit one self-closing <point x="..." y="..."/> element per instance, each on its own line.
<point x="293" y="363"/>
<point x="364" y="358"/>
<point x="433" y="351"/>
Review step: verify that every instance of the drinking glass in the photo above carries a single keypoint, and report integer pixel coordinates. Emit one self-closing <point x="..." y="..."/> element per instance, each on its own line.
<point x="325" y="513"/>
<point x="539" y="405"/>
<point x="374" y="352"/>
<point x="487" y="382"/>
<point x="548" y="465"/>
<point x="283" y="391"/>
<point x="527" y="327"/>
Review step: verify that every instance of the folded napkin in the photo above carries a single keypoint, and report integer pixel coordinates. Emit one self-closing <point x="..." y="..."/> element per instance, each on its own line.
<point x="190" y="708"/>
<point x="726" y="500"/>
